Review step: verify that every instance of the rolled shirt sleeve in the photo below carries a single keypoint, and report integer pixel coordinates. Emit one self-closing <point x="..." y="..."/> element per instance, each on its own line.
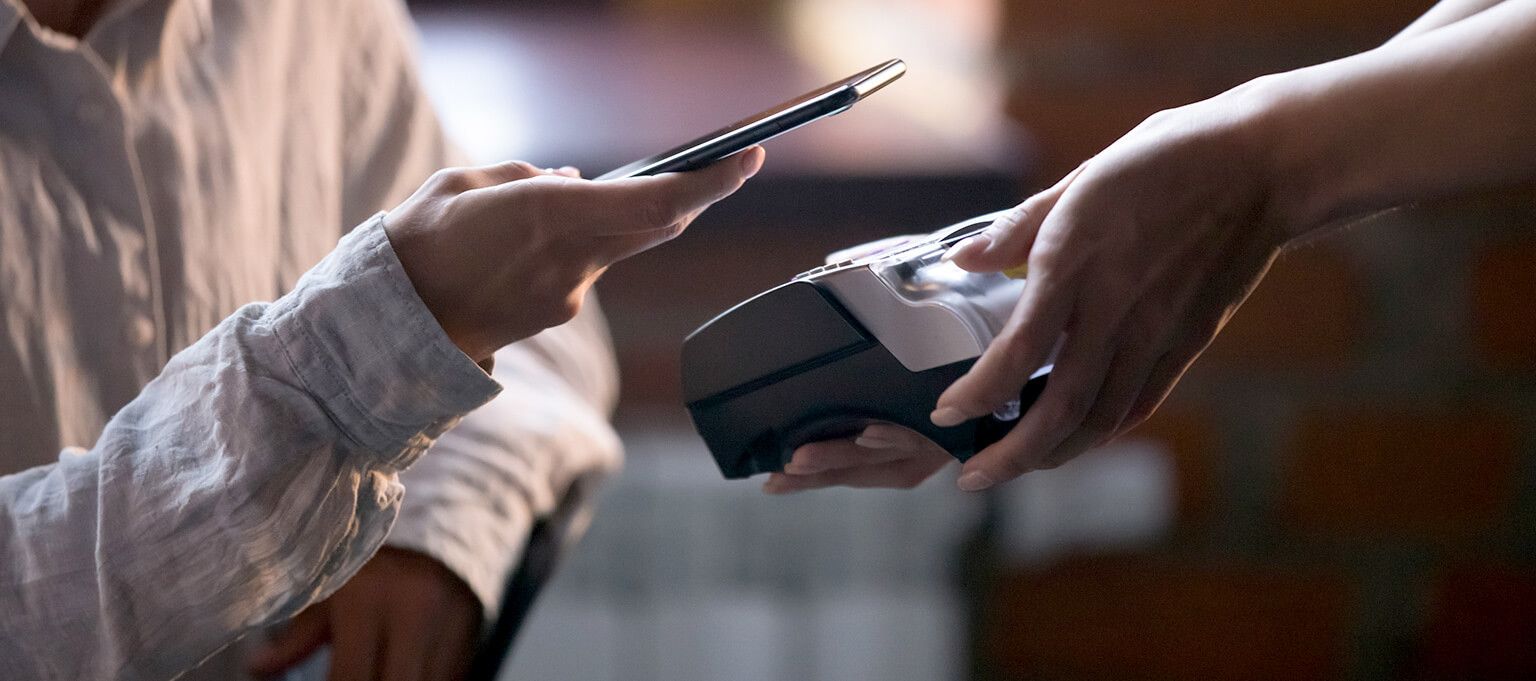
<point x="471" y="504"/>
<point x="251" y="478"/>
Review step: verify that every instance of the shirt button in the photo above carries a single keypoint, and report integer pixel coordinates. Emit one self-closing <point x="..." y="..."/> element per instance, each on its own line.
<point x="141" y="331"/>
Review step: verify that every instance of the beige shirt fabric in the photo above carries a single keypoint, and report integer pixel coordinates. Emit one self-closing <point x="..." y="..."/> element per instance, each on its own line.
<point x="253" y="476"/>
<point x="190" y="156"/>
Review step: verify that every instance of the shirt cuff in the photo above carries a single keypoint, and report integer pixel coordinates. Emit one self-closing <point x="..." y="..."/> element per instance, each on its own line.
<point x="370" y="351"/>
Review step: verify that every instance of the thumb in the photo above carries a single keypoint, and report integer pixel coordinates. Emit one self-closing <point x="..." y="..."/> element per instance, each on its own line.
<point x="1006" y="244"/>
<point x="295" y="643"/>
<point x="649" y="203"/>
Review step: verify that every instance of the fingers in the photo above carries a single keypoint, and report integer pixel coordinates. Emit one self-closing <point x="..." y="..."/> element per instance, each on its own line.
<point x="1213" y="305"/>
<point x="901" y="474"/>
<point x="1007" y="242"/>
<point x="1069" y="396"/>
<point x="1038" y="320"/>
<point x="818" y="457"/>
<point x="892" y="436"/>
<point x="1161" y="380"/>
<point x="299" y="639"/>
<point x="883" y="455"/>
<point x="639" y="205"/>
<point x="1022" y="347"/>
<point x="1128" y="377"/>
<point x="1167" y="371"/>
<point x="879" y="443"/>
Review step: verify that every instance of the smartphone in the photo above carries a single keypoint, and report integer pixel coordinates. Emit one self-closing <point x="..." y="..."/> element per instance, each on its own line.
<point x="819" y="103"/>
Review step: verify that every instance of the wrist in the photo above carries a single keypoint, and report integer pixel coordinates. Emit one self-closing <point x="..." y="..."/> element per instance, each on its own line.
<point x="413" y="247"/>
<point x="1290" y="142"/>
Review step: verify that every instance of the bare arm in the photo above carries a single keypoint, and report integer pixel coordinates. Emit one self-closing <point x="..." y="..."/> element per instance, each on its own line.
<point x="1444" y="13"/>
<point x="1448" y="112"/>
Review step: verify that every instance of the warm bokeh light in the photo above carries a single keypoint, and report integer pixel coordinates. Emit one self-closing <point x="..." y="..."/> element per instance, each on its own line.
<point x="953" y="86"/>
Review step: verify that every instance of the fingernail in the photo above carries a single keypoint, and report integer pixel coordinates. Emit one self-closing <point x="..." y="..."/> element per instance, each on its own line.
<point x="947" y="417"/>
<point x="978" y="243"/>
<point x="868" y="442"/>
<point x="752" y="161"/>
<point x="974" y="481"/>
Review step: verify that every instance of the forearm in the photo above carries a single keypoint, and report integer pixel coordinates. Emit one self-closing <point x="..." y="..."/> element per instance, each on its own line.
<point x="1444" y="13"/>
<point x="253" y="476"/>
<point x="1451" y="111"/>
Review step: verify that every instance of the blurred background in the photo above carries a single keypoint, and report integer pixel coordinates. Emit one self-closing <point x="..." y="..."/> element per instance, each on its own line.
<point x="1345" y="487"/>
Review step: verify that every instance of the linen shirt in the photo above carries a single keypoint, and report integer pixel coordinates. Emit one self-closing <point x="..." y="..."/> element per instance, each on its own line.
<point x="255" y="474"/>
<point x="190" y="156"/>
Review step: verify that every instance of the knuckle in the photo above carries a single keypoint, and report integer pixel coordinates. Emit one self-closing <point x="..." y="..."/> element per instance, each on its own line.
<point x="1013" y="345"/>
<point x="1011" y="219"/>
<point x="451" y="181"/>
<point x="1047" y="251"/>
<point x="562" y="298"/>
<point x="1158" y="119"/>
<point x="655" y="212"/>
<point x="524" y="168"/>
<point x="1014" y="351"/>
<point x="671" y="231"/>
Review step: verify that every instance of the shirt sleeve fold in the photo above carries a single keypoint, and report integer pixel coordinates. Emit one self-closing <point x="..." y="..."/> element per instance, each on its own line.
<point x="471" y="504"/>
<point x="251" y="478"/>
